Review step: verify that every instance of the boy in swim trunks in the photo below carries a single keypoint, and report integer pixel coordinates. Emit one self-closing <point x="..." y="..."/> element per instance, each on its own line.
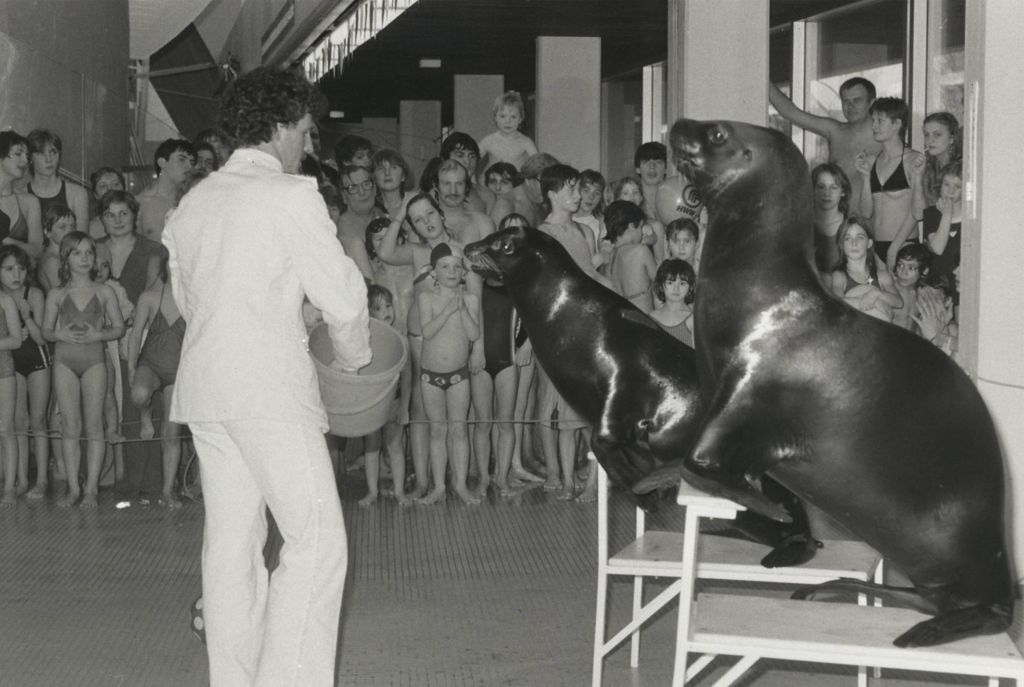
<point x="632" y="267"/>
<point x="450" y="316"/>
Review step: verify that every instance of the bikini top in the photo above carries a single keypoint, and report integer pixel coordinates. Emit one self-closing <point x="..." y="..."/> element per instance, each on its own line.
<point x="18" y="230"/>
<point x="91" y="314"/>
<point x="852" y="283"/>
<point x="897" y="181"/>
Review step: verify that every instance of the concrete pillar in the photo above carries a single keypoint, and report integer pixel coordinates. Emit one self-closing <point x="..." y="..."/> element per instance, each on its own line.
<point x="474" y="102"/>
<point x="569" y="99"/>
<point x="718" y="60"/>
<point x="991" y="305"/>
<point x="419" y="131"/>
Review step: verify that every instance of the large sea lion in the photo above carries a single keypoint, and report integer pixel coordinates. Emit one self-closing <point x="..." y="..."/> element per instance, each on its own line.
<point x="635" y="384"/>
<point x="863" y="419"/>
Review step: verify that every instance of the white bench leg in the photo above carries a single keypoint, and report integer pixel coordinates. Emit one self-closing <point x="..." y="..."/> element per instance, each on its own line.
<point x="599" y="629"/>
<point x="638" y="604"/>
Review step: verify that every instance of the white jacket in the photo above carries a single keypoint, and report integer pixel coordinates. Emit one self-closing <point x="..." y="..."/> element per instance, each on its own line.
<point x="245" y="245"/>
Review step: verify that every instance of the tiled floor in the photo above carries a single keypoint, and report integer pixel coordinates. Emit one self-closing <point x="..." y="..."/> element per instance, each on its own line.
<point x="442" y="596"/>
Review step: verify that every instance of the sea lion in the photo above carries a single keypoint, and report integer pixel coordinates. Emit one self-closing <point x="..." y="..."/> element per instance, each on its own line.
<point x="634" y="383"/>
<point x="863" y="419"/>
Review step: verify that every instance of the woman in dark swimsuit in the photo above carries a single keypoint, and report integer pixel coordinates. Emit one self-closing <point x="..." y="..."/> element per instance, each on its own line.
<point x="135" y="263"/>
<point x="20" y="222"/>
<point x="153" y="367"/>
<point x="76" y="314"/>
<point x="45" y="149"/>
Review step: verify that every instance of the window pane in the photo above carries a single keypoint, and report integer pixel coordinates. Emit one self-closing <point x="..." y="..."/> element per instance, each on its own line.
<point x="868" y="41"/>
<point x="946" y="57"/>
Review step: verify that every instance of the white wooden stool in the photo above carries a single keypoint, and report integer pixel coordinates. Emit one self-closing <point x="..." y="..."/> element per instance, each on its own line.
<point x="753" y="627"/>
<point x="660" y="554"/>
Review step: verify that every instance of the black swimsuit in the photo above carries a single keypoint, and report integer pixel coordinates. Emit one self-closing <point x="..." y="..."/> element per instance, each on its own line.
<point x="30" y="357"/>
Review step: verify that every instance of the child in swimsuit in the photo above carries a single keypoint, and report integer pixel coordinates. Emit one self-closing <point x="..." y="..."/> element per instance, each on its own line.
<point x="862" y="279"/>
<point x="632" y="267"/>
<point x="673" y="286"/>
<point x="682" y="240"/>
<point x="10" y="339"/>
<point x="507" y="143"/>
<point x="31" y="367"/>
<point x="153" y="367"/>
<point x="58" y="222"/>
<point x="382" y="307"/>
<point x="450" y="318"/>
<point x="77" y="311"/>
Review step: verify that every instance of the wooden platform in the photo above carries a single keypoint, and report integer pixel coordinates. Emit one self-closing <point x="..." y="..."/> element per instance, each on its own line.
<point x="754" y="628"/>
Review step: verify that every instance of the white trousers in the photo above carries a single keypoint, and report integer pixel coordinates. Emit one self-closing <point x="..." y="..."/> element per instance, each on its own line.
<point x="284" y="633"/>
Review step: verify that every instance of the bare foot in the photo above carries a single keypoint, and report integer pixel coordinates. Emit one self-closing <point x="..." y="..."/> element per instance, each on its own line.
<point x="9" y="498"/>
<point x="146" y="429"/>
<point x="169" y="501"/>
<point x="588" y="495"/>
<point x="416" y="494"/>
<point x="368" y="500"/>
<point x="404" y="500"/>
<point x="481" y="489"/>
<point x="468" y="497"/>
<point x="21" y="489"/>
<point x="118" y="438"/>
<point x="552" y="485"/>
<point x="88" y="500"/>
<point x="37" y="493"/>
<point x="525" y="475"/>
<point x="433" y="497"/>
<point x="566" y="494"/>
<point x="69" y="499"/>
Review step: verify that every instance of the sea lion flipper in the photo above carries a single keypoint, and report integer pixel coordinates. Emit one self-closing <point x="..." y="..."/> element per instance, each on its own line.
<point x="956" y="624"/>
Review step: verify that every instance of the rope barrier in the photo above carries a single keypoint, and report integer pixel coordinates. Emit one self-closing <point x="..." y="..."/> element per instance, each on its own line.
<point x="54" y="434"/>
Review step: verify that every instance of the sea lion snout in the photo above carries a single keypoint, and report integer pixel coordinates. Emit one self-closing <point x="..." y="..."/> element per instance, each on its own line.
<point x="494" y="255"/>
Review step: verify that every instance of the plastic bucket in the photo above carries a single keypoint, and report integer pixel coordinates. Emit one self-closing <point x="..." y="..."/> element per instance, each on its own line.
<point x="360" y="402"/>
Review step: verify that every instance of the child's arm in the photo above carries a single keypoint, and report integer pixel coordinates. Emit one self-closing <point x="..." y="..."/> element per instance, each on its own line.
<point x="938" y="239"/>
<point x="48" y="277"/>
<point x="470" y="316"/>
<point x="649" y="264"/>
<point x="529" y="146"/>
<point x="13" y="339"/>
<point x="890" y="295"/>
<point x="116" y="329"/>
<point x="389" y="251"/>
<point x="838" y="282"/>
<point x="143" y="318"/>
<point x="34" y="324"/>
<point x="50" y="333"/>
<point x="432" y="323"/>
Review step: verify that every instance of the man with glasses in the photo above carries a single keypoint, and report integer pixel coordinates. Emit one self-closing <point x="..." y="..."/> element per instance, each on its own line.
<point x="359" y="193"/>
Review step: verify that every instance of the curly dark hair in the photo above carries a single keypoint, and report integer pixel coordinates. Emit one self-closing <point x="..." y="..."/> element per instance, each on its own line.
<point x="265" y="97"/>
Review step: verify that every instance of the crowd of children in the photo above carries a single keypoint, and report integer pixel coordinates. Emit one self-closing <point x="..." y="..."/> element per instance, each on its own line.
<point x="473" y="409"/>
<point x="90" y="335"/>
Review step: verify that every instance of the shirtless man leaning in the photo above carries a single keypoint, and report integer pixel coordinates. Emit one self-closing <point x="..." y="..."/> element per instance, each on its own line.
<point x="846" y="139"/>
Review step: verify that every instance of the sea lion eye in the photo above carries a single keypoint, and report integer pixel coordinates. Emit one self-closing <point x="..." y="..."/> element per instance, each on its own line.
<point x="717" y="136"/>
<point x="508" y="248"/>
